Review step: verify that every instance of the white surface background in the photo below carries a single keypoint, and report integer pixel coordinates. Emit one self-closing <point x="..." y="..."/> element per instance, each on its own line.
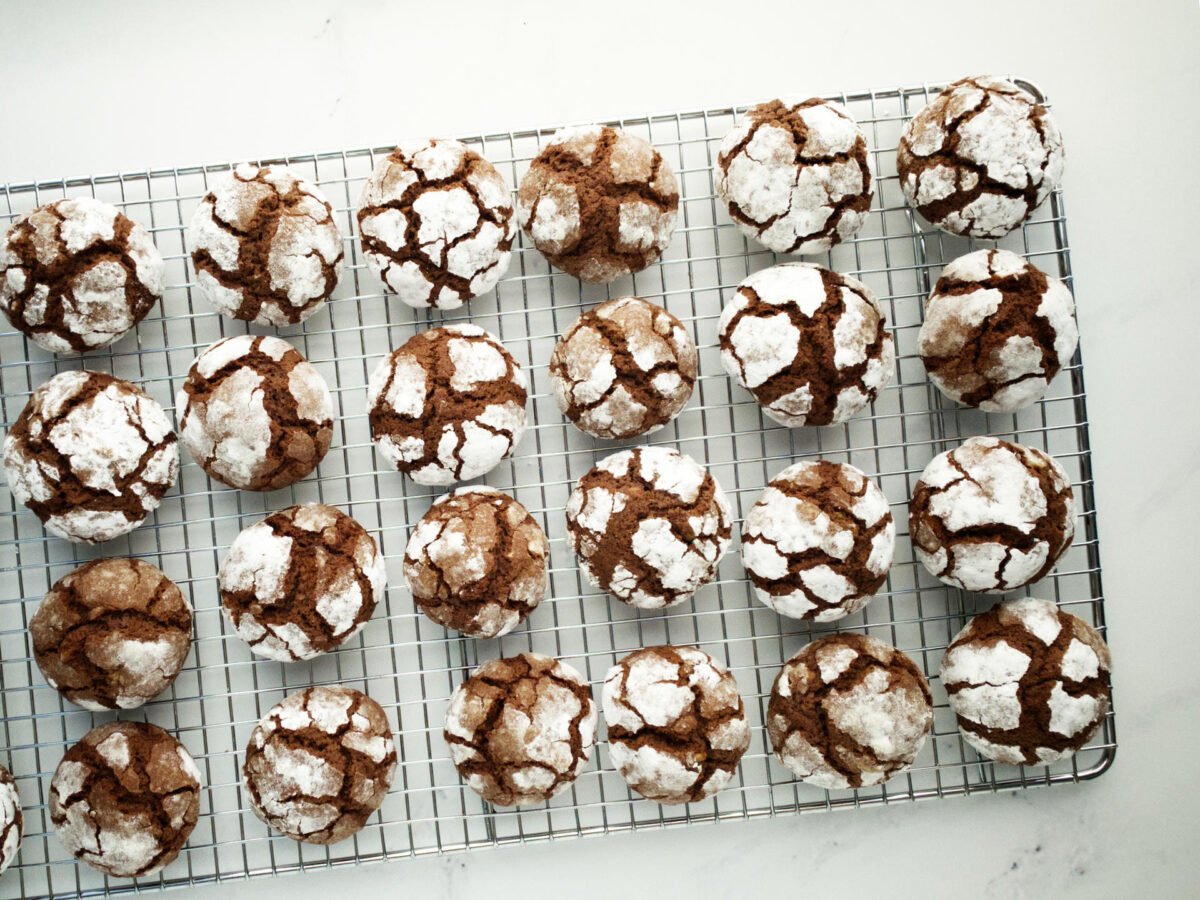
<point x="100" y="86"/>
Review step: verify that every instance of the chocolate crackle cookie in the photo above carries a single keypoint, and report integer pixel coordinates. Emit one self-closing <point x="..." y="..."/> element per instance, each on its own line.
<point x="301" y="582"/>
<point x="254" y="413"/>
<point x="521" y="729"/>
<point x="91" y="456"/>
<point x="319" y="764"/>
<point x="848" y="711"/>
<point x="676" y="725"/>
<point x="1028" y="682"/>
<point x="980" y="158"/>
<point x="125" y="798"/>
<point x="796" y="177"/>
<point x="599" y="203"/>
<point x="265" y="246"/>
<point x="448" y="405"/>
<point x="12" y="822"/>
<point x="437" y="224"/>
<point x="991" y="516"/>
<point x="811" y="345"/>
<point x="625" y="368"/>
<point x="997" y="330"/>
<point x="78" y="274"/>
<point x="649" y="526"/>
<point x="819" y="542"/>
<point x="112" y="634"/>
<point x="476" y="562"/>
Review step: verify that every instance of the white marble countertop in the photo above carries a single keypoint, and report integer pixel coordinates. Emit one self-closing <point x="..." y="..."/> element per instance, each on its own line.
<point x="1124" y="78"/>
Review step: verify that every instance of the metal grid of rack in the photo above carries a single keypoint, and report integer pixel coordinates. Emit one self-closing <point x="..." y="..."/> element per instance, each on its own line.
<point x="410" y="665"/>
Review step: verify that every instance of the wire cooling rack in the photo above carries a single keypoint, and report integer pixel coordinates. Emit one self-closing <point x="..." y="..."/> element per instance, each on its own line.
<point x="409" y="664"/>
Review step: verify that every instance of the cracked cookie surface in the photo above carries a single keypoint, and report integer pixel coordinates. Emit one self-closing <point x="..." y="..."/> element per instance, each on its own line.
<point x="677" y="726"/>
<point x="125" y="798"/>
<point x="265" y="246"/>
<point x="991" y="516"/>
<point x="437" y="223"/>
<point x="819" y="541"/>
<point x="91" y="456"/>
<point x="649" y="526"/>
<point x="78" y="274"/>
<point x="623" y="369"/>
<point x="598" y="203"/>
<point x="997" y="330"/>
<point x="254" y="413"/>
<point x="448" y="405"/>
<point x="12" y="822"/>
<point x="476" y="562"/>
<point x="980" y="158"/>
<point x="301" y="582"/>
<point x="796" y="177"/>
<point x="1028" y="682"/>
<point x="848" y="711"/>
<point x="810" y="344"/>
<point x="112" y="634"/>
<point x="521" y="729"/>
<point x="320" y="763"/>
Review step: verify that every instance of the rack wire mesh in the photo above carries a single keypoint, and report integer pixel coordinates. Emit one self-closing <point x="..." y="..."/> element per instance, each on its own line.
<point x="409" y="664"/>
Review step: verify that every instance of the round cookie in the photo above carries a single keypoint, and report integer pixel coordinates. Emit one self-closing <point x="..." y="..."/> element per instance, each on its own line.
<point x="125" y="798"/>
<point x="78" y="274"/>
<point x="811" y="345"/>
<point x="649" y="525"/>
<point x="448" y="405"/>
<point x="676" y="724"/>
<point x="91" y="456"/>
<point x="623" y="369"/>
<point x="265" y="246"/>
<point x="796" y="177"/>
<point x="1028" y="682"/>
<point x="819" y="541"/>
<point x="319" y="764"/>
<point x="598" y="203"/>
<point x="997" y="329"/>
<point x="437" y="224"/>
<point x="12" y="822"/>
<point x="301" y="582"/>
<point x="991" y="516"/>
<point x="254" y="413"/>
<point x="112" y="634"/>
<point x="980" y="158"/>
<point x="476" y="562"/>
<point x="848" y="711"/>
<point x="521" y="729"/>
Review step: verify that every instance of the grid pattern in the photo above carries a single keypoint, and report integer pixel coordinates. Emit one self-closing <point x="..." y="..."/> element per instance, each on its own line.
<point x="410" y="665"/>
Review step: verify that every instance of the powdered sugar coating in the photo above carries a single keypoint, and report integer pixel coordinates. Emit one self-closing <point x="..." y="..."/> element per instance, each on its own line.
<point x="448" y="405"/>
<point x="819" y="541"/>
<point x="12" y="822"/>
<point x="265" y="246"/>
<point x="676" y="725"/>
<point x="848" y="711"/>
<point x="301" y="582"/>
<point x="980" y="158"/>
<point x="797" y="177"/>
<point x="649" y="526"/>
<point x="437" y="223"/>
<point x="77" y="274"/>
<point x="991" y="516"/>
<point x="623" y="369"/>
<point x="810" y="344"/>
<point x="997" y="330"/>
<point x="91" y="456"/>
<point x="1028" y="682"/>
<point x="254" y="413"/>
<point x="521" y="729"/>
<point x="320" y="763"/>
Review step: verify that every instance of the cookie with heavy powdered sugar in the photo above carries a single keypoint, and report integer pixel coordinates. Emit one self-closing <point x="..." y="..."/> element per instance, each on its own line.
<point x="12" y="822"/>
